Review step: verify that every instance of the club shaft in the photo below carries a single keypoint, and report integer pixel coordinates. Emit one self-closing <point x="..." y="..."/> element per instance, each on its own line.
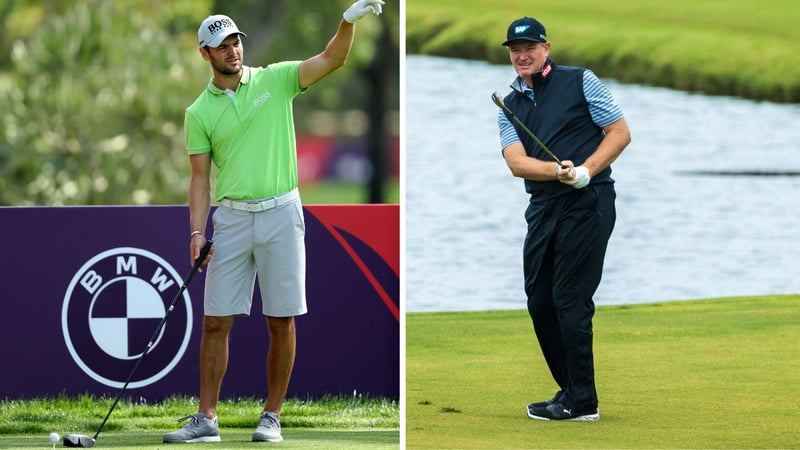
<point x="198" y="262"/>
<point x="499" y="102"/>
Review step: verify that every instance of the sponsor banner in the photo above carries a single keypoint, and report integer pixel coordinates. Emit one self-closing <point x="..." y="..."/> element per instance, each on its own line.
<point x="85" y="288"/>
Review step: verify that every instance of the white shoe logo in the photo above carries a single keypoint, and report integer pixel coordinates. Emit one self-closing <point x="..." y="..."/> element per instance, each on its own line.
<point x="568" y="411"/>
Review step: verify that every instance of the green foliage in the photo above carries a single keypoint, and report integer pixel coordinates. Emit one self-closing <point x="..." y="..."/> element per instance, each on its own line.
<point x="96" y="110"/>
<point x="18" y="18"/>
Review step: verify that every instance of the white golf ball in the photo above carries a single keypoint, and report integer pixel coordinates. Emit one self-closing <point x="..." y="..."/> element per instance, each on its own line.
<point x="54" y="437"/>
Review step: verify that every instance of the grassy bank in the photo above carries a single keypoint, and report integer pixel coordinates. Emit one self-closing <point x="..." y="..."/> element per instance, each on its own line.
<point x="332" y="192"/>
<point x="702" y="374"/>
<point x="333" y="422"/>
<point x="746" y="48"/>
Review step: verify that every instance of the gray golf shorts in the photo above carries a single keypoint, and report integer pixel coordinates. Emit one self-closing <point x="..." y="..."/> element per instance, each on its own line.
<point x="268" y="243"/>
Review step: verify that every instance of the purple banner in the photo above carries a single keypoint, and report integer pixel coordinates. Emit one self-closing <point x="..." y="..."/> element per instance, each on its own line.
<point x="84" y="288"/>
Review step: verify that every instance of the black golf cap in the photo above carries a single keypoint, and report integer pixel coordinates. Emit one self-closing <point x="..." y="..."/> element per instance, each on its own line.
<point x="526" y="28"/>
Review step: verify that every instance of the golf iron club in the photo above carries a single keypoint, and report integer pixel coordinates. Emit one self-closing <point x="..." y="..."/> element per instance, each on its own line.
<point x="83" y="441"/>
<point x="499" y="102"/>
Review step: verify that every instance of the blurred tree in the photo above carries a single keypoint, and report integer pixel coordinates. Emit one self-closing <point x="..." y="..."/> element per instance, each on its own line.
<point x="95" y="113"/>
<point x="18" y="18"/>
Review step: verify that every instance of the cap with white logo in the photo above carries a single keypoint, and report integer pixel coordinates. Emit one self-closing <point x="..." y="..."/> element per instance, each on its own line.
<point x="215" y="29"/>
<point x="527" y="29"/>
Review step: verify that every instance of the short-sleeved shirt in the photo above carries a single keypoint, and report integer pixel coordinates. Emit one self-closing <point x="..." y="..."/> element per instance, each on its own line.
<point x="249" y="132"/>
<point x="602" y="107"/>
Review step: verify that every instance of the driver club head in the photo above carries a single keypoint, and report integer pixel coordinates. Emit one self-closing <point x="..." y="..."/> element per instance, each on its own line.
<point x="78" y="440"/>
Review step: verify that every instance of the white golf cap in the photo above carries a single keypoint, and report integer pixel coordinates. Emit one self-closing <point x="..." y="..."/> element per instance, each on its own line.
<point x="215" y="29"/>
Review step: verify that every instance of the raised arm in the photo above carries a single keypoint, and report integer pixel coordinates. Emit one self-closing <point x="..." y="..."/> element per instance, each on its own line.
<point x="335" y="54"/>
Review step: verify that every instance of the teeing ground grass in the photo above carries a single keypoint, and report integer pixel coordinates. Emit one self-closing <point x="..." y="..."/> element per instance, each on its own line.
<point x="721" y="373"/>
<point x="231" y="440"/>
<point x="326" y="423"/>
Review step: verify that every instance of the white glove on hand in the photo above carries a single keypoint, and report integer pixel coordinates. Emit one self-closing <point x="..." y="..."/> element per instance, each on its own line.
<point x="361" y="8"/>
<point x="581" y="179"/>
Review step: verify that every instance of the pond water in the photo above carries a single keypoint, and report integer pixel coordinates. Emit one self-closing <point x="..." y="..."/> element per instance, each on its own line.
<point x="677" y="236"/>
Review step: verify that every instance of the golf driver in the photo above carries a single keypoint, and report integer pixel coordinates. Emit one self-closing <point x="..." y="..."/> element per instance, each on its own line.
<point x="499" y="102"/>
<point x="83" y="441"/>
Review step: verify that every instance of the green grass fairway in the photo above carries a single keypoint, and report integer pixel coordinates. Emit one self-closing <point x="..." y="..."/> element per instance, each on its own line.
<point x="722" y="373"/>
<point x="231" y="440"/>
<point x="333" y="192"/>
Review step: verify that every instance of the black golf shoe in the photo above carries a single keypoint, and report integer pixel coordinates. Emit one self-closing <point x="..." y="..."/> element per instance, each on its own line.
<point x="546" y="402"/>
<point x="557" y="411"/>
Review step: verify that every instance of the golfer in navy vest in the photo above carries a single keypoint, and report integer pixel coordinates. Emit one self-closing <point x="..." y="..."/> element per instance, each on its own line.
<point x="571" y="212"/>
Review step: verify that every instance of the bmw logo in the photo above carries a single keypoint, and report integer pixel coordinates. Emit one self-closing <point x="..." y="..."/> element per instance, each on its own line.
<point x="111" y="310"/>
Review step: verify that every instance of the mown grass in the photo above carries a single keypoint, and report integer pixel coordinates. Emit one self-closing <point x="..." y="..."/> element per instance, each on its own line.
<point x="327" y="192"/>
<point x="231" y="440"/>
<point x="330" y="422"/>
<point x="746" y="48"/>
<point x="719" y="373"/>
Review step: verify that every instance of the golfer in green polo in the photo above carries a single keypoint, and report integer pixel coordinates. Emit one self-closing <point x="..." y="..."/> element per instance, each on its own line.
<point x="242" y="123"/>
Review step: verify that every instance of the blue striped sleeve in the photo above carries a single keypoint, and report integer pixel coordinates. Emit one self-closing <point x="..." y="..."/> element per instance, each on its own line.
<point x="508" y="134"/>
<point x="602" y="107"/>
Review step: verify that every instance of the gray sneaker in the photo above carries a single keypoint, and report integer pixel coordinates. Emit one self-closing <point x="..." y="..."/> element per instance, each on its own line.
<point x="268" y="429"/>
<point x="199" y="429"/>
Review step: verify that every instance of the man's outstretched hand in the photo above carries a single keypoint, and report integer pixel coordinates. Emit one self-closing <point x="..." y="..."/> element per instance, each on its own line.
<point x="361" y="8"/>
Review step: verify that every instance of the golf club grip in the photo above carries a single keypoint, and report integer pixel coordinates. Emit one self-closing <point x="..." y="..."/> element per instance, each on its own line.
<point x="203" y="254"/>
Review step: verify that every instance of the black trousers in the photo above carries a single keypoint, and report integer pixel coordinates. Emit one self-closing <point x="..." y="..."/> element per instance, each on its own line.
<point x="563" y="262"/>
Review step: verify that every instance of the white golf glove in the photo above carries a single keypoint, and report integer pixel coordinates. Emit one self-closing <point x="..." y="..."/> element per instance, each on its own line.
<point x="361" y="8"/>
<point x="581" y="178"/>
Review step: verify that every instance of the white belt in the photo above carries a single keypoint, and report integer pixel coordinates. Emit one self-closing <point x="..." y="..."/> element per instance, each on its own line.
<point x="261" y="205"/>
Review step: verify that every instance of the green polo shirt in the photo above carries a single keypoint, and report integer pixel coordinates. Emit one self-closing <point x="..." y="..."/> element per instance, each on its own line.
<point x="249" y="133"/>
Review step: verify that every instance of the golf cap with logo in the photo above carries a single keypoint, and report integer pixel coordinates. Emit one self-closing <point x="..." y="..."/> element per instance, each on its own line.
<point x="526" y="28"/>
<point x="215" y="29"/>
